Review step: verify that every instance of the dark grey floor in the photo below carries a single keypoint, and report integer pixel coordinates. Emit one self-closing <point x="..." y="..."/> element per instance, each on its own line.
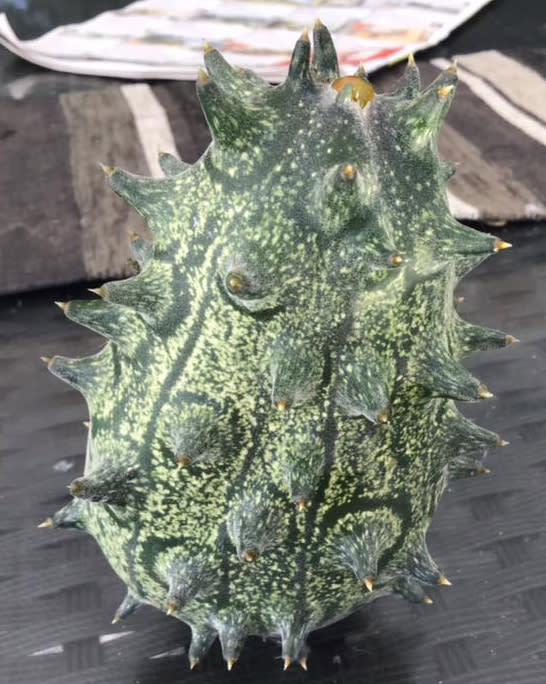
<point x="57" y="593"/>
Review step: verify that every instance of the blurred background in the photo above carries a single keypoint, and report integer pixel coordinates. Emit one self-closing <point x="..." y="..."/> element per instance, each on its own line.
<point x="62" y="232"/>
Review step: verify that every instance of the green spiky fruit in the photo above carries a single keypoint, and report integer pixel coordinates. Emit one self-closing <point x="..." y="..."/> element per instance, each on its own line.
<point x="273" y="419"/>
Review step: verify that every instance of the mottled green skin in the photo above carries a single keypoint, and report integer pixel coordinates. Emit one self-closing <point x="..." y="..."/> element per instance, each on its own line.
<point x="324" y="323"/>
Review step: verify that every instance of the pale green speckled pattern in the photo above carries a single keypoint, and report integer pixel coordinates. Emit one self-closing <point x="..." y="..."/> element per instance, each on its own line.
<point x="291" y="341"/>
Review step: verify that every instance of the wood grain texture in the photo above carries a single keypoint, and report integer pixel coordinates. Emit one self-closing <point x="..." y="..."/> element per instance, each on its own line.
<point x="40" y="236"/>
<point x="101" y="129"/>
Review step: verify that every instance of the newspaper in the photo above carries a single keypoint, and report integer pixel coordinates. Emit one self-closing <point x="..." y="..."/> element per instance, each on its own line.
<point x="164" y="38"/>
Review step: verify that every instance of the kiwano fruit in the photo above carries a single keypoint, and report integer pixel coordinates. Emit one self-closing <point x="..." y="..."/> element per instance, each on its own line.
<point x="273" y="418"/>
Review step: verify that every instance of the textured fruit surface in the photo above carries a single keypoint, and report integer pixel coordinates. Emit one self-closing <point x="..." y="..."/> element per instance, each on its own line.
<point x="273" y="419"/>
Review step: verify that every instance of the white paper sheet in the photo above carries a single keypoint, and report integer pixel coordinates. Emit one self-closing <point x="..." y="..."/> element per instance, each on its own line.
<point x="164" y="38"/>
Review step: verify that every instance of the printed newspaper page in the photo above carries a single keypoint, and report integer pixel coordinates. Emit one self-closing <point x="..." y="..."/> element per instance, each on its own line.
<point x="164" y="38"/>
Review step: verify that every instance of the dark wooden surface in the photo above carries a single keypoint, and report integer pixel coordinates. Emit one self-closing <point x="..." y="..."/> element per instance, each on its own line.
<point x="58" y="594"/>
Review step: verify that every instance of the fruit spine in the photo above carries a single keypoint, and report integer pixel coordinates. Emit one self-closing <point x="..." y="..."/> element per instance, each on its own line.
<point x="273" y="418"/>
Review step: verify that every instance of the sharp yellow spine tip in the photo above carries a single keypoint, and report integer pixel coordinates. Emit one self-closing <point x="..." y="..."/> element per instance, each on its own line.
<point x="382" y="416"/>
<point x="183" y="461"/>
<point x="172" y="607"/>
<point x="484" y="392"/>
<point x="500" y="245"/>
<point x="302" y="503"/>
<point x="445" y="91"/>
<point x="249" y="555"/>
<point x="107" y="170"/>
<point x="349" y="171"/>
<point x="99" y="291"/>
<point x="202" y="76"/>
<point x="396" y="259"/>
